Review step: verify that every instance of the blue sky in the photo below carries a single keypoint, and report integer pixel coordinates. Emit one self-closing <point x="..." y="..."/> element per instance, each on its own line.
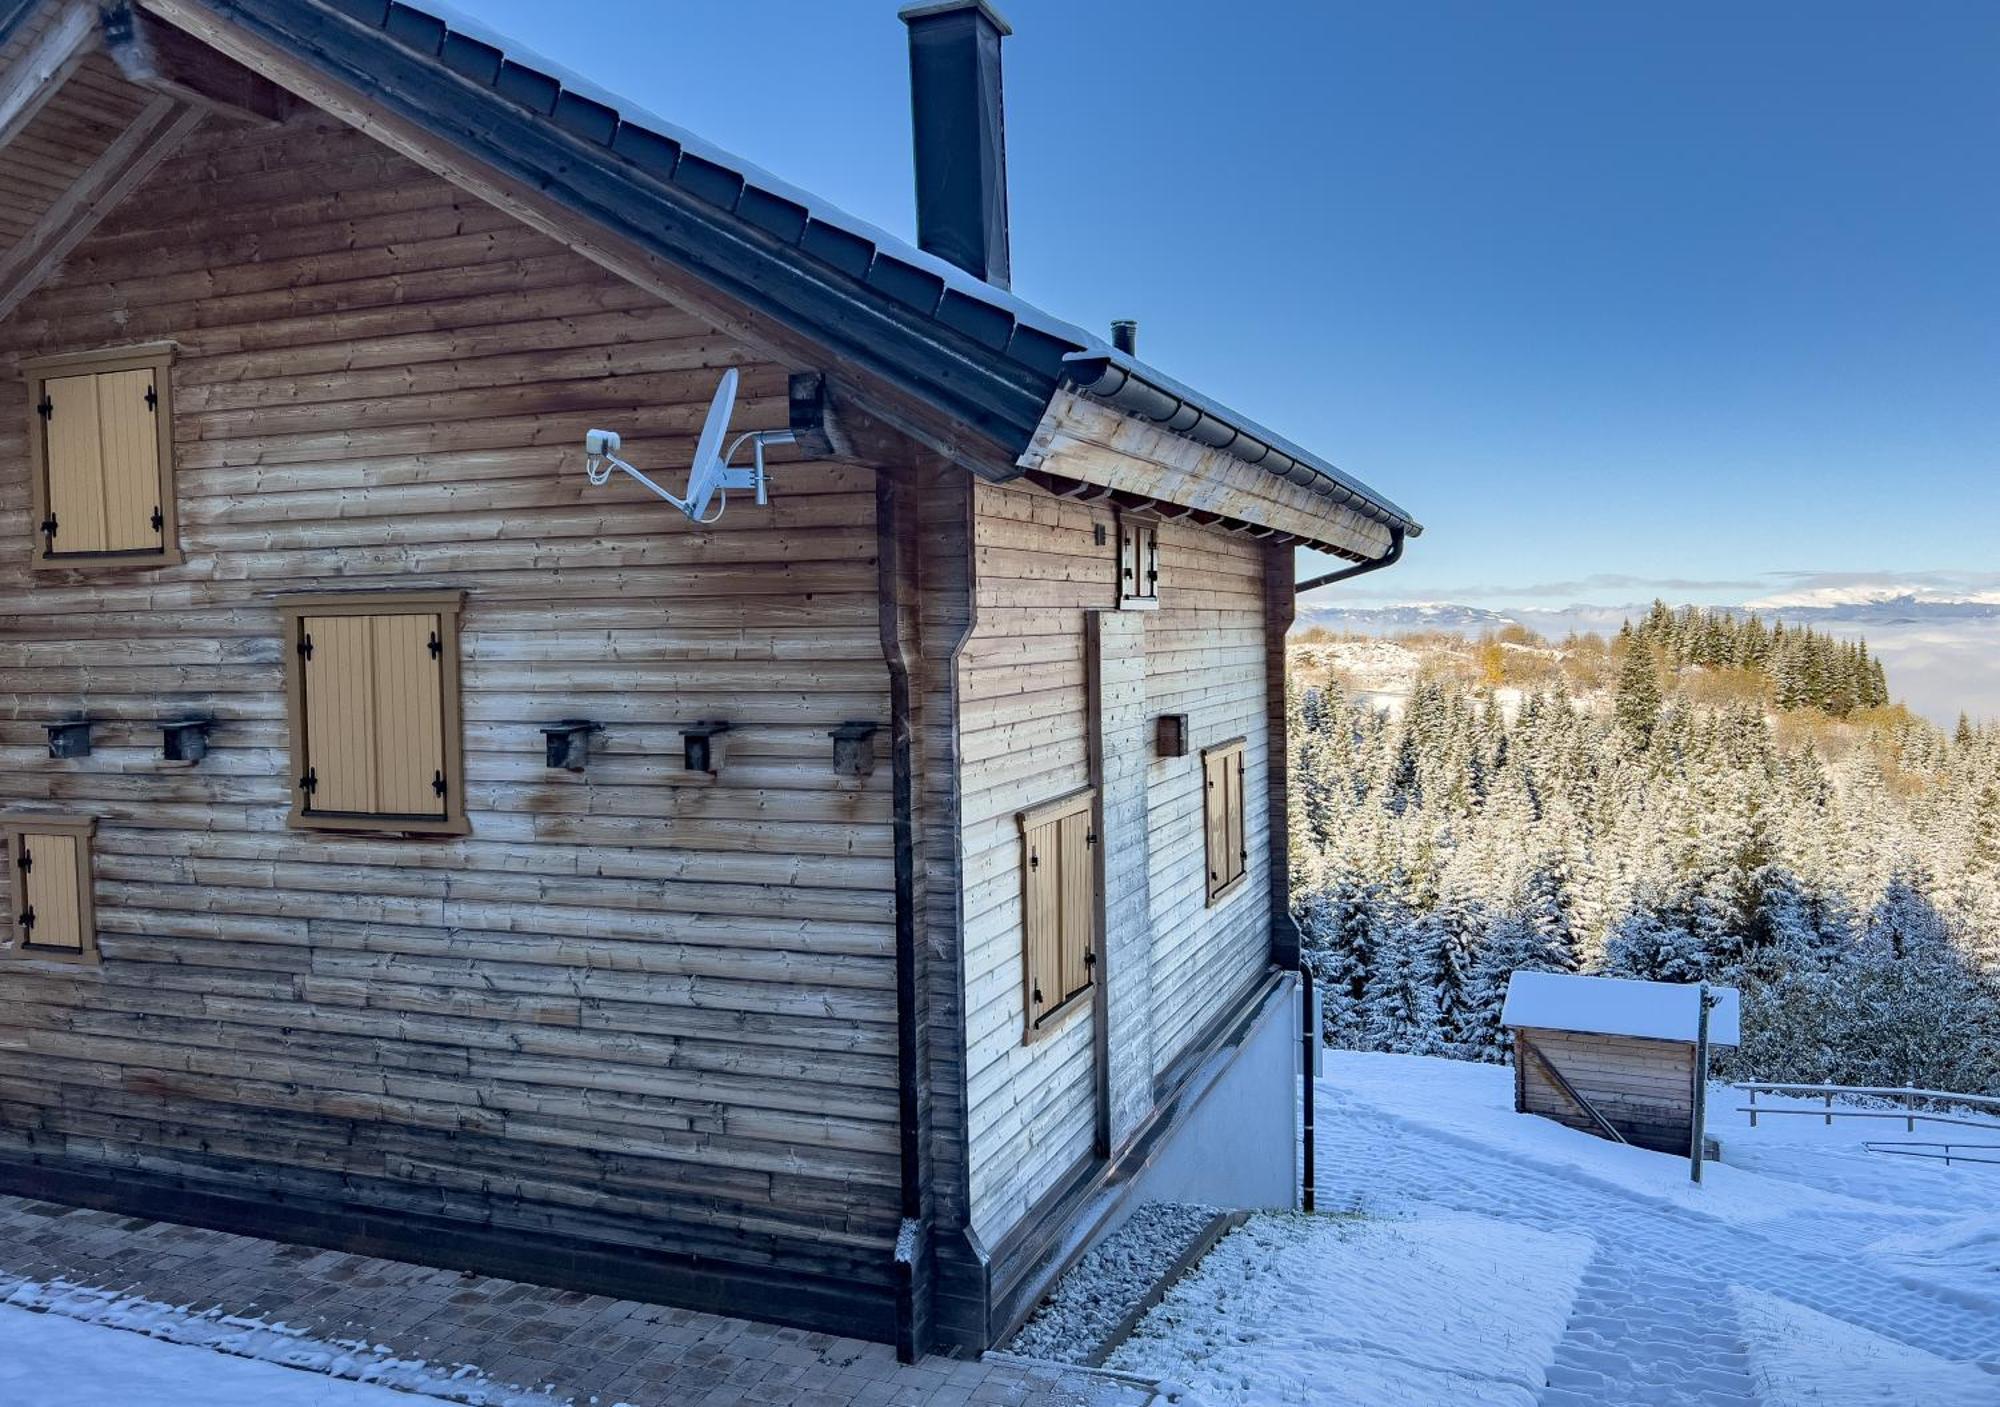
<point x="1699" y="300"/>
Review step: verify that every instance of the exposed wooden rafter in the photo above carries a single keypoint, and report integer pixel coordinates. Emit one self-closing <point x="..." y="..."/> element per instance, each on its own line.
<point x="160" y="127"/>
<point x="159" y="57"/>
<point x="40" y="74"/>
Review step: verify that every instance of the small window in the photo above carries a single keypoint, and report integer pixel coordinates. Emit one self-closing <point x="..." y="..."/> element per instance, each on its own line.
<point x="373" y="698"/>
<point x="1138" y="563"/>
<point x="1222" y="810"/>
<point x="102" y="439"/>
<point x="49" y="857"/>
<point x="1059" y="907"/>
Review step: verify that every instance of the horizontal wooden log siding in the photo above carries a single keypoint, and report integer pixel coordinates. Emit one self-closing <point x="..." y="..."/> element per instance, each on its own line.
<point x="1644" y="1088"/>
<point x="635" y="1006"/>
<point x="1024" y="728"/>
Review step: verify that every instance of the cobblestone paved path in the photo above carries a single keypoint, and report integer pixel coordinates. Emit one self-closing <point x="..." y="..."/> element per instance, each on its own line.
<point x="1653" y="1322"/>
<point x="382" y="1315"/>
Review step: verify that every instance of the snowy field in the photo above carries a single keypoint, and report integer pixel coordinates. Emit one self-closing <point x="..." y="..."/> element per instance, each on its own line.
<point x="1470" y="1254"/>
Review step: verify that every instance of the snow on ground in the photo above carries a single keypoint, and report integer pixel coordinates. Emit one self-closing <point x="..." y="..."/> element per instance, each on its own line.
<point x="1799" y="1358"/>
<point x="157" y="1355"/>
<point x="1300" y="1311"/>
<point x="47" y="1360"/>
<point x="1884" y="1263"/>
<point x="1473" y="1105"/>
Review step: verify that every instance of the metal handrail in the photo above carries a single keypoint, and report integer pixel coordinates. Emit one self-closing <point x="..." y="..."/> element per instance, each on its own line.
<point x="1916" y="1150"/>
<point x="1908" y="1094"/>
<point x="1879" y="1091"/>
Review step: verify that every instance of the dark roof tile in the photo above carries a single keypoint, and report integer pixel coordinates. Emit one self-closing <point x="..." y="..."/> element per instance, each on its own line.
<point x="415" y="29"/>
<point x="531" y="88"/>
<point x="717" y="185"/>
<point x="844" y="249"/>
<point x="648" y="150"/>
<point x="906" y="283"/>
<point x="580" y="117"/>
<point x="471" y="59"/>
<point x="982" y="322"/>
<point x="784" y="218"/>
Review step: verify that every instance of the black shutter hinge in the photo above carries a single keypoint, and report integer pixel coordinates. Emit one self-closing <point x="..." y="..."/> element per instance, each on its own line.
<point x="45" y="408"/>
<point x="1090" y="838"/>
<point x="309" y="783"/>
<point x="436" y="646"/>
<point x="437" y="783"/>
<point x="25" y="861"/>
<point x="305" y="647"/>
<point x="1038" y="995"/>
<point x="28" y="918"/>
<point x="49" y="529"/>
<point x="1090" y="959"/>
<point x="159" y="519"/>
<point x="1034" y="861"/>
<point x="152" y="399"/>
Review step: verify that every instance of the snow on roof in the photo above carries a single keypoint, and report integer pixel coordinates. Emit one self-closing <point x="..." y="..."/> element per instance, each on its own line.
<point x="1618" y="1006"/>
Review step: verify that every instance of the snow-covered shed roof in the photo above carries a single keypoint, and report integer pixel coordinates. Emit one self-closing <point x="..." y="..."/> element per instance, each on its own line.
<point x="1619" y="1006"/>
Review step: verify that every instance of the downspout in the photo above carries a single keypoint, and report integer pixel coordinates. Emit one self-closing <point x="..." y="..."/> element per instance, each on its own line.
<point x="913" y="1240"/>
<point x="1309" y="1033"/>
<point x="1387" y="559"/>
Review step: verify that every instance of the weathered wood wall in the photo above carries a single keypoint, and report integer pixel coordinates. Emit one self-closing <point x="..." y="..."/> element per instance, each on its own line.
<point x="1643" y="1088"/>
<point x="1025" y="724"/>
<point x="638" y="1006"/>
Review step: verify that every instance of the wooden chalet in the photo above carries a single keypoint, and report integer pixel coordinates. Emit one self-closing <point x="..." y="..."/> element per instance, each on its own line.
<point x="837" y="912"/>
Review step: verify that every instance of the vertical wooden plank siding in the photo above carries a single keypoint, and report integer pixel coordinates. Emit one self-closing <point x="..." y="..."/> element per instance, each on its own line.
<point x="52" y="890"/>
<point x="634" y="1007"/>
<point x="1025" y="739"/>
<point x="76" y="465"/>
<point x="129" y="460"/>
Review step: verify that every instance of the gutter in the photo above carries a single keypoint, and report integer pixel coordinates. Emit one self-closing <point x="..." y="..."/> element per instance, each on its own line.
<point x="1111" y="376"/>
<point x="1387" y="559"/>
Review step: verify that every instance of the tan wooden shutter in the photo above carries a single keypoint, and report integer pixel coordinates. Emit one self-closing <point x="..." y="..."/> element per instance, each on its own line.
<point x="1079" y="901"/>
<point x="374" y="693"/>
<point x="75" y="465"/>
<point x="1215" y="796"/>
<point x="52" y="887"/>
<point x="130" y="455"/>
<point x="1234" y="856"/>
<point x="1043" y="918"/>
<point x="409" y="714"/>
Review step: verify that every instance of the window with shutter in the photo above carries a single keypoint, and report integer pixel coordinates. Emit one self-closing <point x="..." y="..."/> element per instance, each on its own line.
<point x="1227" y="851"/>
<point x="374" y="712"/>
<point x="51" y="912"/>
<point x="1058" y="908"/>
<point x="101" y="431"/>
<point x="1138" y="563"/>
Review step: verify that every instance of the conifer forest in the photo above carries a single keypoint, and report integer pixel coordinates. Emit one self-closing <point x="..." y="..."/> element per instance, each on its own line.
<point x="1704" y="796"/>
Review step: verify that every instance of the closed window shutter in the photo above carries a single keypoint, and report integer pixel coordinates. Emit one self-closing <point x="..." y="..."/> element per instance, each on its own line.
<point x="374" y="695"/>
<point x="1214" y="800"/>
<point x="1078" y="898"/>
<point x="103" y="463"/>
<point x="130" y="455"/>
<point x="53" y="914"/>
<point x="1043" y="918"/>
<point x="75" y="458"/>
<point x="1235" y="860"/>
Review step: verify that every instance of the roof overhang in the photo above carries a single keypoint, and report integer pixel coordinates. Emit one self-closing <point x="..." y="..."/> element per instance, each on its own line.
<point x="957" y="365"/>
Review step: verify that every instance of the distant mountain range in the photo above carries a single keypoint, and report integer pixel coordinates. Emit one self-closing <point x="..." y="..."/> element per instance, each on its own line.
<point x="1942" y="650"/>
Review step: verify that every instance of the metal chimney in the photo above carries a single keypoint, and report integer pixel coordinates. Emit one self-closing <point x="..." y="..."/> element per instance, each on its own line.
<point x="1125" y="336"/>
<point x="961" y="138"/>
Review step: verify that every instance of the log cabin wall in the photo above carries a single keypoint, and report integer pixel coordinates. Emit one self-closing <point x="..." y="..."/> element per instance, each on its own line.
<point x="1024" y="721"/>
<point x="638" y="1008"/>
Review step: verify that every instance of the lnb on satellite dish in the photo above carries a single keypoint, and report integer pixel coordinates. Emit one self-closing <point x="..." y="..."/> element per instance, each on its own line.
<point x="710" y="475"/>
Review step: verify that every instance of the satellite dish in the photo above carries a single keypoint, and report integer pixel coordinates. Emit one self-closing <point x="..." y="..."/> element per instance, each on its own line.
<point x="710" y="471"/>
<point x="705" y="475"/>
